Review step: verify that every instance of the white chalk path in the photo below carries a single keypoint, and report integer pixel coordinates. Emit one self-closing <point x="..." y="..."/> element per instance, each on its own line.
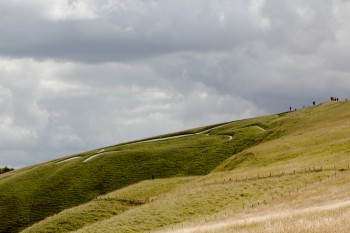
<point x="66" y="160"/>
<point x="101" y="152"/>
<point x="262" y="129"/>
<point x="91" y="157"/>
<point x="205" y="132"/>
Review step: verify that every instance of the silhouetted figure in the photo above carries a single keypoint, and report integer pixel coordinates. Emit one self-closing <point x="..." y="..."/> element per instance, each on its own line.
<point x="152" y="177"/>
<point x="314" y="103"/>
<point x="290" y="109"/>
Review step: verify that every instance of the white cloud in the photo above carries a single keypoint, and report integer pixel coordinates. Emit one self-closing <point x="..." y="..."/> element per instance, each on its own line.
<point x="71" y="10"/>
<point x="78" y="74"/>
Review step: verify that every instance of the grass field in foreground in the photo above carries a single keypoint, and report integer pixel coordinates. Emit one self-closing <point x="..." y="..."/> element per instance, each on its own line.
<point x="321" y="207"/>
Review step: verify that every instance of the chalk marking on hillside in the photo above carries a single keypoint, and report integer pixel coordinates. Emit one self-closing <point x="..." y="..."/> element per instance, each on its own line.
<point x="66" y="160"/>
<point x="91" y="157"/>
<point x="101" y="152"/>
<point x="259" y="127"/>
<point x="261" y="218"/>
<point x="205" y="132"/>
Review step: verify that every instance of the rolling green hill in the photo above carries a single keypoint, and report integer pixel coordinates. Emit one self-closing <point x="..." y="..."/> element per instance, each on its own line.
<point x="198" y="173"/>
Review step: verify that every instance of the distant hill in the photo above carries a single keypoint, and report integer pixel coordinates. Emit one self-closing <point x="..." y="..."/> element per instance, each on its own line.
<point x="161" y="182"/>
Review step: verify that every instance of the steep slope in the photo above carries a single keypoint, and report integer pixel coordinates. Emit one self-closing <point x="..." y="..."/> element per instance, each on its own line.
<point x="239" y="164"/>
<point x="34" y="193"/>
<point x="306" y="165"/>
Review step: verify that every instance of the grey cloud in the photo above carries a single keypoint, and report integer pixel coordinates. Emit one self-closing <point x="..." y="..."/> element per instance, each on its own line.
<point x="299" y="26"/>
<point x="153" y="29"/>
<point x="115" y="76"/>
<point x="122" y="70"/>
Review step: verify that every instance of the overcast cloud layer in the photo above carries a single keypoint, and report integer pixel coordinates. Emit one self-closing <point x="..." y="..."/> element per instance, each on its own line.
<point x="82" y="74"/>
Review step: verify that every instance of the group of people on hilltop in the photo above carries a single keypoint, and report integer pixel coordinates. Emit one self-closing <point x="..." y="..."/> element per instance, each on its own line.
<point x="314" y="102"/>
<point x="334" y="99"/>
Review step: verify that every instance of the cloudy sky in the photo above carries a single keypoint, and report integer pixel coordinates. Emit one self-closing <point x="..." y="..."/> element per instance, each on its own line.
<point x="81" y="74"/>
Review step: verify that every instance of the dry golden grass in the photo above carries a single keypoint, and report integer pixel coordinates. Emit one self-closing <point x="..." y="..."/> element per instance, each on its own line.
<point x="322" y="219"/>
<point x="322" y="207"/>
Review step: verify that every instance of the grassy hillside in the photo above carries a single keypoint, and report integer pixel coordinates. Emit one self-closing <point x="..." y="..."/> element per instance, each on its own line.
<point x="225" y="168"/>
<point x="32" y="194"/>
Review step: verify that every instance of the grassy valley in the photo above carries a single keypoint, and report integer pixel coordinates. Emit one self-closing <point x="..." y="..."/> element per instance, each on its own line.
<point x="203" y="177"/>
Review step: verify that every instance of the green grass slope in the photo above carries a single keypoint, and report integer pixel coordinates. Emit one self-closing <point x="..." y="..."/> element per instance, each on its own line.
<point x="305" y="148"/>
<point x="228" y="167"/>
<point x="34" y="193"/>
